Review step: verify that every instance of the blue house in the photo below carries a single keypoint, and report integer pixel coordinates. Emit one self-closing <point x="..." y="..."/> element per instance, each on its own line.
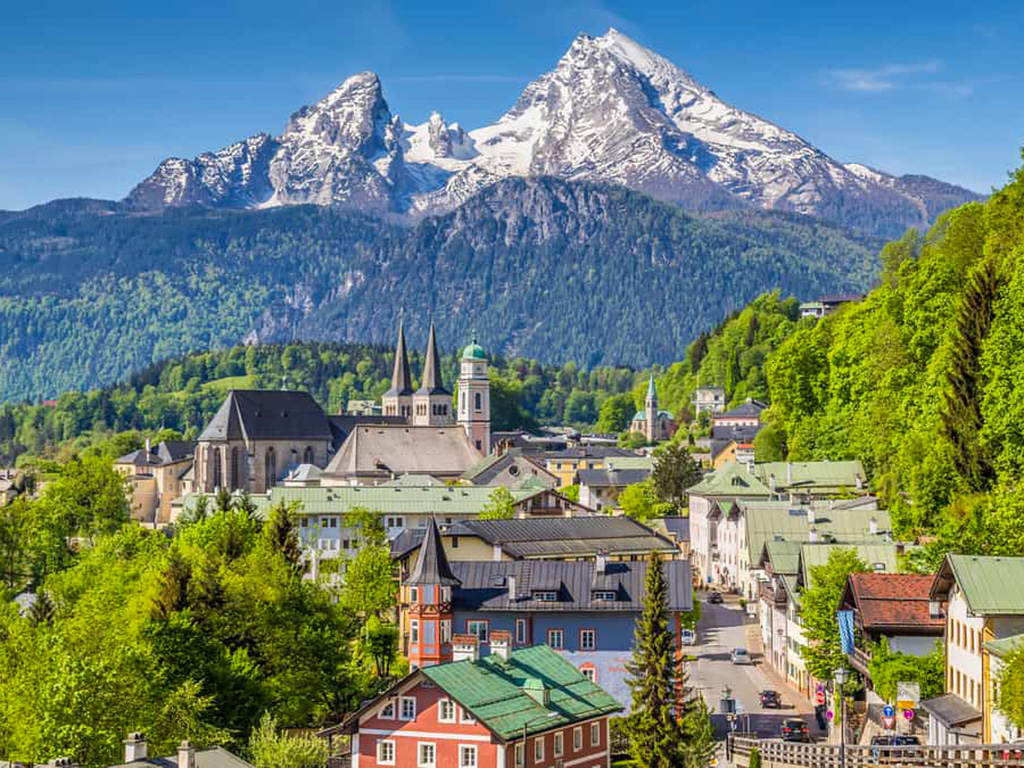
<point x="586" y="609"/>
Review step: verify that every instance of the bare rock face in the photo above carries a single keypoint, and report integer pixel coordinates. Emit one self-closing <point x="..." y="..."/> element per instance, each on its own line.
<point x="611" y="111"/>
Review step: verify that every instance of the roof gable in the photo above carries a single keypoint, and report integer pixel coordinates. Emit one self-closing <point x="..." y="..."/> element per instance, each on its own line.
<point x="893" y="601"/>
<point x="256" y="414"/>
<point x="730" y="479"/>
<point x="983" y="581"/>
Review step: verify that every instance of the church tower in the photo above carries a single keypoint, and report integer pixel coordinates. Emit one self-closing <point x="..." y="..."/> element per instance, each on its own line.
<point x="651" y="412"/>
<point x="475" y="397"/>
<point x="428" y="593"/>
<point x="397" y="401"/>
<point x="432" y="403"/>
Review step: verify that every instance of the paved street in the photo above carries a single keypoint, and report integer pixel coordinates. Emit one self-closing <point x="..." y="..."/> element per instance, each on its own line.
<point x="721" y="629"/>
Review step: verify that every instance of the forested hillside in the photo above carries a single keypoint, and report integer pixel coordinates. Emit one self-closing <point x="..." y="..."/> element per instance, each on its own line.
<point x="544" y="269"/>
<point x="924" y="380"/>
<point x="182" y="394"/>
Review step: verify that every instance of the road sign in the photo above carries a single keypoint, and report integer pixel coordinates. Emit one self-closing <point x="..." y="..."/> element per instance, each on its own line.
<point x="830" y="715"/>
<point x="907" y="695"/>
<point x="889" y="710"/>
<point x="908" y="714"/>
<point x="820" y="697"/>
<point x="889" y="723"/>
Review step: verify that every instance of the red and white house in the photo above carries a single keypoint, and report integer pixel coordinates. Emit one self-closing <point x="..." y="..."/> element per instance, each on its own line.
<point x="528" y="708"/>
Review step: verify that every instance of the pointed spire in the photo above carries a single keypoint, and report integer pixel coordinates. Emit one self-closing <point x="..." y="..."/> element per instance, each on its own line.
<point x="401" y="381"/>
<point x="652" y="393"/>
<point x="433" y="383"/>
<point x="432" y="567"/>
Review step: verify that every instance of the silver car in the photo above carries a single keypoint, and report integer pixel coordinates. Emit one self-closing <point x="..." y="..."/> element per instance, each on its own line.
<point x="741" y="656"/>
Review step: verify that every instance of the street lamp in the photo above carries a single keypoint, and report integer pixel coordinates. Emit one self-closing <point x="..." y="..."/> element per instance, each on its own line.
<point x="840" y="676"/>
<point x="526" y="755"/>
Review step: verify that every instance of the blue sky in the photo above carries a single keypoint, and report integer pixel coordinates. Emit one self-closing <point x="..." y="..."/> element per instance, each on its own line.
<point x="94" y="95"/>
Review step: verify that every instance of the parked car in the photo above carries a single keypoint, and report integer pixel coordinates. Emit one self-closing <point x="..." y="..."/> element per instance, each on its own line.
<point x="715" y="598"/>
<point x="899" y="746"/>
<point x="794" y="729"/>
<point x="771" y="699"/>
<point x="741" y="656"/>
<point x="688" y="637"/>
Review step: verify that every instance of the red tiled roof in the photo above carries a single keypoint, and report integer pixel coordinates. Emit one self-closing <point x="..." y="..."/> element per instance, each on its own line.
<point x="893" y="601"/>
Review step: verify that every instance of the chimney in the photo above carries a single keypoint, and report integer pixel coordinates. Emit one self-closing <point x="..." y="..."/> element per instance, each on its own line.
<point x="812" y="535"/>
<point x="873" y="526"/>
<point x="771" y="482"/>
<point x="811" y="515"/>
<point x="789" y="473"/>
<point x="465" y="648"/>
<point x="537" y="691"/>
<point x="512" y="594"/>
<point x="135" y="747"/>
<point x="501" y="643"/>
<point x="149" y="445"/>
<point x="601" y="562"/>
<point x="860" y="482"/>
<point x="186" y="755"/>
<point x="497" y="551"/>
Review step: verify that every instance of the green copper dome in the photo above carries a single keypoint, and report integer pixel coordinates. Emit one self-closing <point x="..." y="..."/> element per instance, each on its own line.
<point x="474" y="351"/>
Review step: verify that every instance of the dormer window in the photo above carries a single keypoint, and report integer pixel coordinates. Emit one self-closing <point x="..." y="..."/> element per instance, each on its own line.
<point x="545" y="597"/>
<point x="606" y="596"/>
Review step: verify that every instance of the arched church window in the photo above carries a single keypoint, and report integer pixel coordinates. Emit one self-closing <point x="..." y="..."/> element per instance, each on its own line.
<point x="218" y="478"/>
<point x="479" y="401"/>
<point x="233" y="470"/>
<point x="270" y="467"/>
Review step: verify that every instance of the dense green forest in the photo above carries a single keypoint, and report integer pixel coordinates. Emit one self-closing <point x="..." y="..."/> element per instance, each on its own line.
<point x="924" y="380"/>
<point x="541" y="269"/>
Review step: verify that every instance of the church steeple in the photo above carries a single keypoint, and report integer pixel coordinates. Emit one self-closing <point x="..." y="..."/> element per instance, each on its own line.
<point x="432" y="566"/>
<point x="432" y="403"/>
<point x="651" y="412"/>
<point x="397" y="401"/>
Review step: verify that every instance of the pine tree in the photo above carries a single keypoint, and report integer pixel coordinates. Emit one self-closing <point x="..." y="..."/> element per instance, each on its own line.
<point x="172" y="595"/>
<point x="281" y="535"/>
<point x="700" y="734"/>
<point x="42" y="610"/>
<point x="674" y="471"/>
<point x="656" y="735"/>
<point x="961" y="407"/>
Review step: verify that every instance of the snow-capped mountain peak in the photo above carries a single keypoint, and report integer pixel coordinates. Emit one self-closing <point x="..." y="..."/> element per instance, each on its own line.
<point x="611" y="111"/>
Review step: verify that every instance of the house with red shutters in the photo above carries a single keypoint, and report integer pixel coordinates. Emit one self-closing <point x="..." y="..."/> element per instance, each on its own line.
<point x="527" y="708"/>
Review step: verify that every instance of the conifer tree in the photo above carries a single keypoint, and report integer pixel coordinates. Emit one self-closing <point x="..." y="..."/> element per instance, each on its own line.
<point x="656" y="734"/>
<point x="281" y="535"/>
<point x="961" y="407"/>
<point x="42" y="610"/>
<point x="172" y="594"/>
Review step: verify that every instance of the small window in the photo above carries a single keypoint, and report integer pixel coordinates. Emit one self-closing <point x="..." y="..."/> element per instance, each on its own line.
<point x="590" y="673"/>
<point x="538" y="749"/>
<point x="521" y="631"/>
<point x="478" y="628"/>
<point x="466" y="716"/>
<point x="303" y="522"/>
<point x="467" y="756"/>
<point x="595" y="734"/>
<point x="387" y="712"/>
<point x="427" y="754"/>
<point x="559" y="747"/>
<point x="385" y="752"/>
<point x="455" y="542"/>
<point x="519" y="755"/>
<point x="604" y="596"/>
<point x="588" y="639"/>
<point x="546" y="597"/>
<point x="414" y="594"/>
<point x="446" y="630"/>
<point x="556" y="639"/>
<point x="446" y="711"/>
<point x="407" y="708"/>
<point x="577" y="739"/>
<point x="414" y="631"/>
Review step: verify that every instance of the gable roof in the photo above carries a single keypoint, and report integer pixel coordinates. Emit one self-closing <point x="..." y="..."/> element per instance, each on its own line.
<point x="983" y="581"/>
<point x="387" y="449"/>
<point x="881" y="556"/>
<point x="485" y="585"/>
<point x="494" y="691"/>
<point x="811" y="475"/>
<point x="893" y="601"/>
<point x="630" y="462"/>
<point x="730" y="479"/>
<point x="488" y="468"/>
<point x="549" y="538"/>
<point x="267" y="414"/>
<point x="611" y="478"/>
<point x="1005" y="645"/>
<point x="748" y="409"/>
<point x="166" y="452"/>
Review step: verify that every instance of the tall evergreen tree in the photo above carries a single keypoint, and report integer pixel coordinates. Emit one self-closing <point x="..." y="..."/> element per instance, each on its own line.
<point x="172" y="595"/>
<point x="961" y="407"/>
<point x="674" y="471"/>
<point x="656" y="735"/>
<point x="281" y="535"/>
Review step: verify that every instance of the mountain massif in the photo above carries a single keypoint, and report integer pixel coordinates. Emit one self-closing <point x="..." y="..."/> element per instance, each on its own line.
<point x="616" y="211"/>
<point x="611" y="111"/>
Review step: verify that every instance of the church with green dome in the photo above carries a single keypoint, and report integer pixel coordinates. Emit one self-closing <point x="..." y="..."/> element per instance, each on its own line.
<point x="654" y="424"/>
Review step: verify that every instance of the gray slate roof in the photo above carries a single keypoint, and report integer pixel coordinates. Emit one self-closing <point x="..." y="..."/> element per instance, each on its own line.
<point x="951" y="710"/>
<point x="485" y="585"/>
<point x="384" y="450"/>
<point x="217" y="757"/>
<point x="166" y="452"/>
<point x="257" y="414"/>
<point x="551" y="538"/>
<point x="612" y="478"/>
<point x="748" y="409"/>
<point x="432" y="566"/>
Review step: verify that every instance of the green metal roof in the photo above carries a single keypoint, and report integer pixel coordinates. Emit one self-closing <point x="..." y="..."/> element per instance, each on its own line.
<point x="781" y="521"/>
<point x="494" y="690"/>
<point x="874" y="555"/>
<point x="784" y="556"/>
<point x="730" y="479"/>
<point x="986" y="583"/>
<point x="400" y="499"/>
<point x="629" y="462"/>
<point x="474" y="352"/>
<point x="1005" y="645"/>
<point x="812" y="475"/>
<point x="641" y="415"/>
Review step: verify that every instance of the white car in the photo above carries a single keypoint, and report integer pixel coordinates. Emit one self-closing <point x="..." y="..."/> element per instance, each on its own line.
<point x="688" y="637"/>
<point x="741" y="656"/>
